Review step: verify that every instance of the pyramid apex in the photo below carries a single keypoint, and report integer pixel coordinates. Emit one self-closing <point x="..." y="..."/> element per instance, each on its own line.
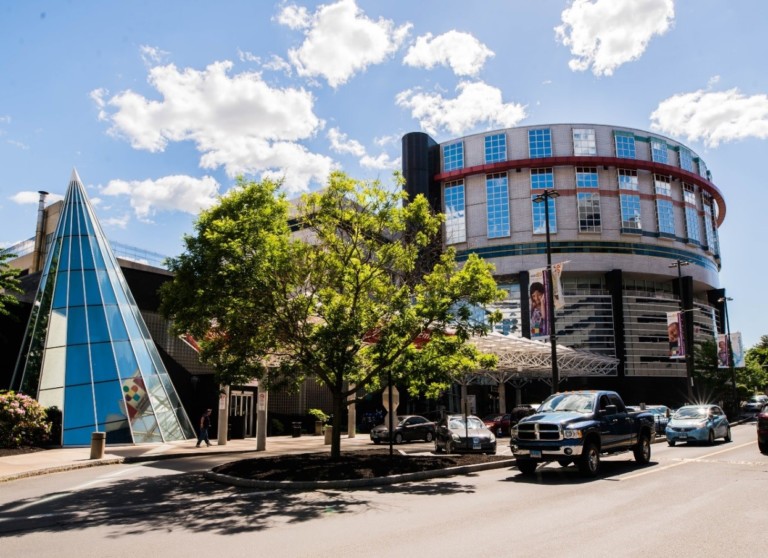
<point x="75" y="177"/>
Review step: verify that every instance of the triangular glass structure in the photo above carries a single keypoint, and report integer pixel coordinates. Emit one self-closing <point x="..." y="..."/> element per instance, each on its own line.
<point x="87" y="349"/>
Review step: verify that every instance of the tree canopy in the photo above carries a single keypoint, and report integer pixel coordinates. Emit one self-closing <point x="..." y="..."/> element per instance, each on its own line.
<point x="336" y="287"/>
<point x="9" y="284"/>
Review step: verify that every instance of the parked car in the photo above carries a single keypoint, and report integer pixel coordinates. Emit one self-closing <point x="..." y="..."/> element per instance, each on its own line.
<point x="698" y="423"/>
<point x="762" y="431"/>
<point x="407" y="428"/>
<point x="754" y="405"/>
<point x="454" y="434"/>
<point x="499" y="424"/>
<point x="661" y="414"/>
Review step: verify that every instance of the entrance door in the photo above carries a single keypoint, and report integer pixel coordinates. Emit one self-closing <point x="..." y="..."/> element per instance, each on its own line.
<point x="241" y="405"/>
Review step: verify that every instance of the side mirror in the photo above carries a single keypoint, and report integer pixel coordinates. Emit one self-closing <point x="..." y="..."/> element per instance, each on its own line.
<point x="610" y="409"/>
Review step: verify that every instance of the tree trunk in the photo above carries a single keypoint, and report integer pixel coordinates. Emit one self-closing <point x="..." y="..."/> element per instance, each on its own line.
<point x="338" y="411"/>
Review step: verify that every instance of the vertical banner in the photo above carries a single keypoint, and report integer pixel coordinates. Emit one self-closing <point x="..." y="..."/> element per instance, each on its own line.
<point x="538" y="303"/>
<point x="675" y="332"/>
<point x="738" y="350"/>
<point x="557" y="286"/>
<point x="722" y="351"/>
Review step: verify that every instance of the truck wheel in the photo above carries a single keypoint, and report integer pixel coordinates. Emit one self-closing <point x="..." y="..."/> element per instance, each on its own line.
<point x="429" y="437"/>
<point x="589" y="462"/>
<point x="526" y="466"/>
<point x="643" y="450"/>
<point x="398" y="438"/>
<point x="376" y="441"/>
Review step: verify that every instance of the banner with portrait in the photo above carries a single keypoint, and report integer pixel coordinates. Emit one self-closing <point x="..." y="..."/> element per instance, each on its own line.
<point x="676" y="334"/>
<point x="723" y="349"/>
<point x="539" y="295"/>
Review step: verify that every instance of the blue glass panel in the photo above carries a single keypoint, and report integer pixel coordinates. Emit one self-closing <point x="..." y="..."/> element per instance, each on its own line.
<point x="76" y="294"/>
<point x="75" y="261"/>
<point x="109" y="403"/>
<point x="497" y="205"/>
<point x="66" y="229"/>
<point x="107" y="293"/>
<point x="77" y="436"/>
<point x="78" y="408"/>
<point x="81" y="213"/>
<point x="142" y="355"/>
<point x="60" y="294"/>
<point x="115" y="320"/>
<point x="453" y="156"/>
<point x="76" y="327"/>
<point x="98" y="260"/>
<point x="97" y="324"/>
<point x="130" y="323"/>
<point x="126" y="362"/>
<point x="145" y="429"/>
<point x="78" y="365"/>
<point x="119" y="293"/>
<point x="92" y="294"/>
<point x="495" y="148"/>
<point x="64" y="257"/>
<point x="85" y="252"/>
<point x="625" y="146"/>
<point x="103" y="359"/>
<point x="539" y="143"/>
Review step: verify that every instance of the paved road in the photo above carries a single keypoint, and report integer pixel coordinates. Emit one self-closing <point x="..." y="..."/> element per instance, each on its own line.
<point x="691" y="501"/>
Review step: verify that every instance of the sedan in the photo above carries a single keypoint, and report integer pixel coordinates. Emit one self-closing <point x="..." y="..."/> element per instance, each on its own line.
<point x="762" y="431"/>
<point x="407" y="428"/>
<point x="499" y="424"/>
<point x="454" y="434"/>
<point x="661" y="414"/>
<point x="754" y="405"/>
<point x="698" y="423"/>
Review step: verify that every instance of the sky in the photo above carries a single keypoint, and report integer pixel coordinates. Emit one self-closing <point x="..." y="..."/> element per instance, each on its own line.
<point x="161" y="105"/>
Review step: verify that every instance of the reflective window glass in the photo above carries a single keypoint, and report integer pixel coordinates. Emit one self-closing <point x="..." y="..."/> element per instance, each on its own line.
<point x="589" y="211"/>
<point x="126" y="362"/>
<point x="76" y="291"/>
<point x="103" y="359"/>
<point x="630" y="211"/>
<point x="662" y="185"/>
<point x="51" y="398"/>
<point x="539" y="215"/>
<point x="666" y="216"/>
<point x="692" y="223"/>
<point x="586" y="177"/>
<point x="625" y="145"/>
<point x="77" y="331"/>
<point x="98" y="260"/>
<point x="77" y="436"/>
<point x="686" y="160"/>
<point x="627" y="179"/>
<point x="495" y="148"/>
<point x="539" y="143"/>
<point x="497" y="205"/>
<point x="57" y="328"/>
<point x="105" y="288"/>
<point x="542" y="179"/>
<point x="659" y="152"/>
<point x="689" y="194"/>
<point x="54" y="367"/>
<point x="97" y="324"/>
<point x="131" y="323"/>
<point x="455" y="224"/>
<point x="78" y="408"/>
<point x="75" y="260"/>
<point x="78" y="365"/>
<point x="117" y="329"/>
<point x="453" y="156"/>
<point x="92" y="293"/>
<point x="64" y="260"/>
<point x="85" y="252"/>
<point x="584" y="141"/>
<point x="109" y="402"/>
<point x="62" y="290"/>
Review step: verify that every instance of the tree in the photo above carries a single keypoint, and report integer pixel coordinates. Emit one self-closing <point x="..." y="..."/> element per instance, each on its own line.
<point x="755" y="374"/>
<point x="340" y="299"/>
<point x="712" y="382"/>
<point x="9" y="284"/>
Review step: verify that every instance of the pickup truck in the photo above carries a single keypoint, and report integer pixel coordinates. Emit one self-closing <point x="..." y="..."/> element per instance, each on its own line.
<point x="580" y="426"/>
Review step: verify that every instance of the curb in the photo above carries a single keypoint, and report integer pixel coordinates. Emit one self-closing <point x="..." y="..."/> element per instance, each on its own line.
<point x="356" y="483"/>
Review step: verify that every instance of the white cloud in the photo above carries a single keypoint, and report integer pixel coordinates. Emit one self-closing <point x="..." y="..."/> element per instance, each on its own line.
<point x="5" y="119"/>
<point x="713" y="116"/>
<point x="246" y="56"/>
<point x="238" y="122"/>
<point x="462" y="52"/>
<point x="382" y="162"/>
<point x="152" y="55"/>
<point x="340" y="41"/>
<point x="341" y="144"/>
<point x="18" y="144"/>
<point x="278" y="64"/>
<point x="170" y="193"/>
<point x="604" y="34"/>
<point x="120" y="222"/>
<point x="30" y="198"/>
<point x="477" y="104"/>
<point x="295" y="17"/>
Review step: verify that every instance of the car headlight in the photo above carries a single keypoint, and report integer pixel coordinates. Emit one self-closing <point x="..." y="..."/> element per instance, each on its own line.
<point x="702" y="424"/>
<point x="493" y="438"/>
<point x="572" y="433"/>
<point x="456" y="437"/>
<point x="513" y="432"/>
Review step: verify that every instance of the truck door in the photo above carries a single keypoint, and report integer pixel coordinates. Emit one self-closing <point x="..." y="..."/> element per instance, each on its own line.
<point x="614" y="422"/>
<point x="623" y="422"/>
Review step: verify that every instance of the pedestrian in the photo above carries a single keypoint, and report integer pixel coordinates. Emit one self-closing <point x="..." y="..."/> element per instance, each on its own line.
<point x="205" y="424"/>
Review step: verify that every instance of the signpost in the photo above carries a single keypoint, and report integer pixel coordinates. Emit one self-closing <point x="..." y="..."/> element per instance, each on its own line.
<point x="390" y="398"/>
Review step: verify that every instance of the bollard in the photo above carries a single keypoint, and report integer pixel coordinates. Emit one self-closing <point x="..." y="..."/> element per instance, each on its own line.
<point x="328" y="435"/>
<point x="98" y="440"/>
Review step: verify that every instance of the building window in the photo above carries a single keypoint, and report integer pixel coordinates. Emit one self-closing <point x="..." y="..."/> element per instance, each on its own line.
<point x="630" y="212"/>
<point x="455" y="221"/>
<point x="659" y="151"/>
<point x="689" y="194"/>
<point x="666" y="216"/>
<point x="539" y="215"/>
<point x="703" y="172"/>
<point x="589" y="211"/>
<point x="539" y="143"/>
<point x="584" y="141"/>
<point x="686" y="160"/>
<point x="709" y="224"/>
<point x="453" y="156"/>
<point x="692" y="224"/>
<point x="586" y="177"/>
<point x="627" y="179"/>
<point x="495" y="148"/>
<point x="497" y="204"/>
<point x="542" y="179"/>
<point x="662" y="185"/>
<point x="625" y="145"/>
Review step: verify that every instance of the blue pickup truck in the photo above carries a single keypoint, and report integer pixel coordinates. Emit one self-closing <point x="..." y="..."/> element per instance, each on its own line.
<point x="578" y="427"/>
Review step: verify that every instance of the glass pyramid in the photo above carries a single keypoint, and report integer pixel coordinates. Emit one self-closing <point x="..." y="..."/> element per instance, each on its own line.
<point x="87" y="349"/>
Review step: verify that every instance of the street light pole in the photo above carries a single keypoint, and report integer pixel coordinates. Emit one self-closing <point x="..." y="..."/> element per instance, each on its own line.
<point x="687" y="342"/>
<point x="724" y="300"/>
<point x="544" y="197"/>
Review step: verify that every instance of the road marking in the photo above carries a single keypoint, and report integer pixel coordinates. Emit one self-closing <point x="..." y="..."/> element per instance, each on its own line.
<point x="683" y="462"/>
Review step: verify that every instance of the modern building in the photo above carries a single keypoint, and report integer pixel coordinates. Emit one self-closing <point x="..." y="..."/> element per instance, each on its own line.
<point x="633" y="218"/>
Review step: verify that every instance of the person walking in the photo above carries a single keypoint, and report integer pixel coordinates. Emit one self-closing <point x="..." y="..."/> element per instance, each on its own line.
<point x="205" y="424"/>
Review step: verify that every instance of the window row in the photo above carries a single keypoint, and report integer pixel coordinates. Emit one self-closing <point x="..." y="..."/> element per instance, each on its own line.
<point x="584" y="144"/>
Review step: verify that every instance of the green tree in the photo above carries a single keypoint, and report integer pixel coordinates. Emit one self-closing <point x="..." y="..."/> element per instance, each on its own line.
<point x="712" y="382"/>
<point x="343" y="299"/>
<point x="754" y="377"/>
<point x="9" y="284"/>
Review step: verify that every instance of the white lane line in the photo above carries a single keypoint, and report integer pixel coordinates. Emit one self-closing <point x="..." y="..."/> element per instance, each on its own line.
<point x="683" y="462"/>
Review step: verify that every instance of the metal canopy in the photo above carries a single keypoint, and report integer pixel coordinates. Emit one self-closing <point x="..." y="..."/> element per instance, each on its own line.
<point x="533" y="359"/>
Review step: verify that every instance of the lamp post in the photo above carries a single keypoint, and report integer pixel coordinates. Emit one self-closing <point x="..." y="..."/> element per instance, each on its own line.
<point x="724" y="301"/>
<point x="679" y="264"/>
<point x="544" y="198"/>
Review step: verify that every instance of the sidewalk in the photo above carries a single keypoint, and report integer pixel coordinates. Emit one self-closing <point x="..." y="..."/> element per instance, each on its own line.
<point x="64" y="459"/>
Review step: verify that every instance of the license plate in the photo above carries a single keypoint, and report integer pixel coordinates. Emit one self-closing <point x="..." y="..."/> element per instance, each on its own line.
<point x="535" y="453"/>
<point x="476" y="443"/>
<point x="683" y="436"/>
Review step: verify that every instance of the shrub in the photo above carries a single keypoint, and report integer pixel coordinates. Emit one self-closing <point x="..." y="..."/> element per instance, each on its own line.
<point x="277" y="427"/>
<point x="23" y="421"/>
<point x="319" y="415"/>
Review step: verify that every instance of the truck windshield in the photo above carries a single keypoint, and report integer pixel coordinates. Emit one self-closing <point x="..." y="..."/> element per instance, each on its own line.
<point x="573" y="402"/>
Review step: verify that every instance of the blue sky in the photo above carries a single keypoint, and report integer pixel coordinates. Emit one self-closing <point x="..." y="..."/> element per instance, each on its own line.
<point x="159" y="105"/>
